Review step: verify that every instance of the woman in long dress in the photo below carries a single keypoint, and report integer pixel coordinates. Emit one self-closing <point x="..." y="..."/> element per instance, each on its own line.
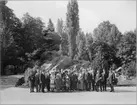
<point x="52" y="82"/>
<point x="97" y="81"/>
<point x="80" y="81"/>
<point x="75" y="81"/>
<point x="67" y="82"/>
<point x="58" y="82"/>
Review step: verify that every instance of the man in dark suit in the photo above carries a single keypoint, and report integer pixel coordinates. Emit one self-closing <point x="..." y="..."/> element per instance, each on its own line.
<point x="75" y="81"/>
<point x="47" y="81"/>
<point x="86" y="80"/>
<point x="38" y="80"/>
<point x="89" y="80"/>
<point x="104" y="80"/>
<point x="93" y="80"/>
<point x="71" y="76"/>
<point x="111" y="80"/>
<point x="42" y="85"/>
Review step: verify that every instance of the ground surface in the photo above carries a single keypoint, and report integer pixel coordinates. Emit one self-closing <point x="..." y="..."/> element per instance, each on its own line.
<point x="122" y="95"/>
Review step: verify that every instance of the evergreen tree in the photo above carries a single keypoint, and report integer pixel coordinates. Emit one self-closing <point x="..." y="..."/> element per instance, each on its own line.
<point x="81" y="44"/>
<point x="89" y="41"/>
<point x="72" y="23"/>
<point x="64" y="44"/>
<point x="59" y="28"/>
<point x="64" y="37"/>
<point x="50" y="26"/>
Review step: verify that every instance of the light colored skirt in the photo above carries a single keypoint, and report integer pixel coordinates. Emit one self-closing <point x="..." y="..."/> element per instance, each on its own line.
<point x="58" y="84"/>
<point x="80" y="85"/>
<point x="52" y="84"/>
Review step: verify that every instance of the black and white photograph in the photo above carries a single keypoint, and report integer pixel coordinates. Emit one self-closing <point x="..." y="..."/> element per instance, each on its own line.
<point x="68" y="52"/>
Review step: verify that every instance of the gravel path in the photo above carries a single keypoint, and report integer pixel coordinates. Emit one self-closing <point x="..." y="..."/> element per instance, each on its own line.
<point x="123" y="95"/>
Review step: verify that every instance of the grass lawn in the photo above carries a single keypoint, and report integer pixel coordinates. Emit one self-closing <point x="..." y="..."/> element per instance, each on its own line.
<point x="8" y="81"/>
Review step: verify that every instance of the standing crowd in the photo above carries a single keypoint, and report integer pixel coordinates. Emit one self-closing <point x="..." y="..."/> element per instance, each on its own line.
<point x="71" y="80"/>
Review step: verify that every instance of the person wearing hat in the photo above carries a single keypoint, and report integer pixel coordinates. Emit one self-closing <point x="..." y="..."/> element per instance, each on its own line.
<point x="97" y="81"/>
<point x="31" y="79"/>
<point x="71" y="76"/>
<point x="104" y="80"/>
<point x="75" y="80"/>
<point x="47" y="81"/>
<point x="85" y="77"/>
<point x="42" y="77"/>
<point x="67" y="80"/>
<point x="111" y="79"/>
<point x="93" y="79"/>
<point x="63" y="84"/>
<point x="89" y="80"/>
<point x="58" y="81"/>
<point x="81" y="80"/>
<point x="52" y="81"/>
<point x="38" y="80"/>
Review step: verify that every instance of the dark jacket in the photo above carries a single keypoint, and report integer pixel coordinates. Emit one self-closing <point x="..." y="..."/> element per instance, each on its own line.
<point x="93" y="76"/>
<point x="89" y="77"/>
<point x="103" y="77"/>
<point x="38" y="79"/>
<point x="85" y="76"/>
<point x="47" y="78"/>
<point x="32" y="76"/>
<point x="42" y="77"/>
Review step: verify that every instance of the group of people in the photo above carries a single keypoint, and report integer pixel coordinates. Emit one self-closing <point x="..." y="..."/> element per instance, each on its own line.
<point x="71" y="80"/>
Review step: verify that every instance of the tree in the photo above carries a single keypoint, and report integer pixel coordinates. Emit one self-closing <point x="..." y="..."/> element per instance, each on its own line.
<point x="64" y="37"/>
<point x="28" y="37"/>
<point x="107" y="32"/>
<point x="127" y="47"/>
<point x="72" y="23"/>
<point x="44" y="53"/>
<point x="50" y="26"/>
<point x="114" y="36"/>
<point x="9" y="24"/>
<point x="102" y="55"/>
<point x="32" y="32"/>
<point x="59" y="26"/>
<point x="131" y="69"/>
<point x="64" y="44"/>
<point x="89" y="41"/>
<point x="127" y="50"/>
<point x="81" y="44"/>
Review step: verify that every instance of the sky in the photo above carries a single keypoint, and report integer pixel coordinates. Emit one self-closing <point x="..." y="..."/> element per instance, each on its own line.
<point x="91" y="13"/>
